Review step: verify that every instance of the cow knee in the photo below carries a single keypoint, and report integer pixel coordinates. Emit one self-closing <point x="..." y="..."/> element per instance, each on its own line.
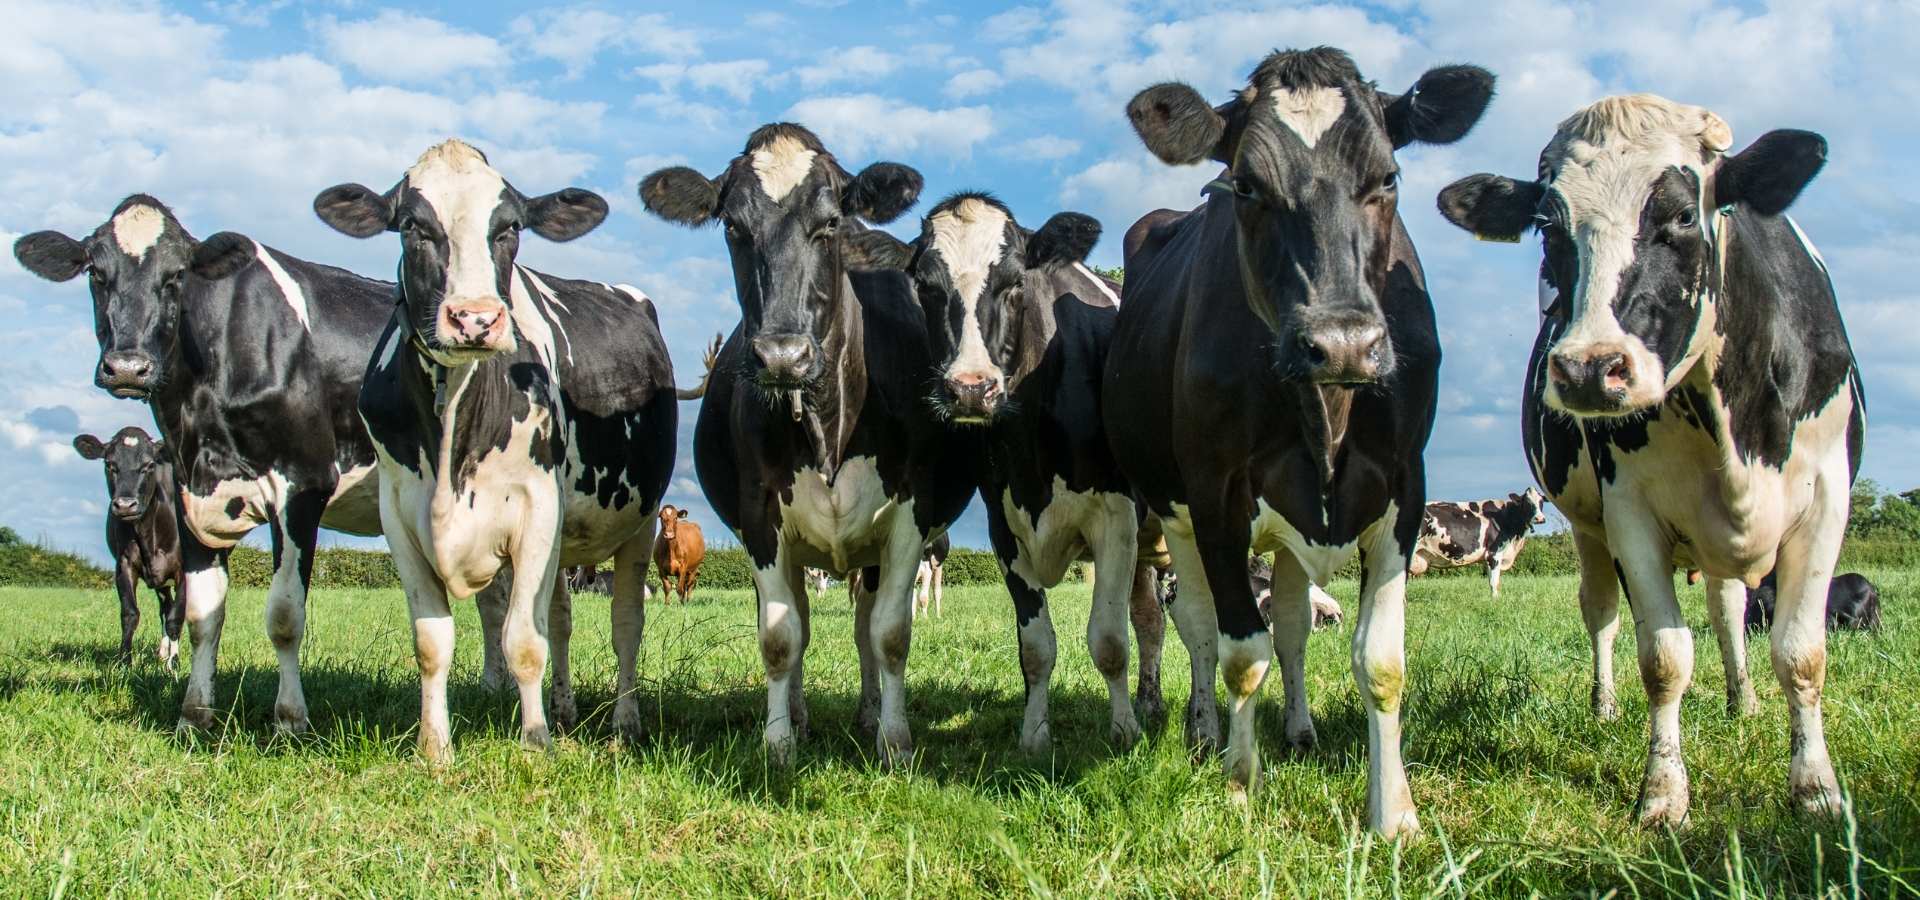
<point x="1801" y="670"/>
<point x="1244" y="666"/>
<point x="780" y="647"/>
<point x="285" y="621"/>
<point x="1666" y="665"/>
<point x="1383" y="681"/>
<point x="1109" y="655"/>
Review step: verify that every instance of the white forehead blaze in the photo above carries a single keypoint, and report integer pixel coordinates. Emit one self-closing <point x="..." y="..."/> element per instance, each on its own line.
<point x="137" y="228"/>
<point x="782" y="163"/>
<point x="463" y="190"/>
<point x="130" y="441"/>
<point x="970" y="237"/>
<point x="1310" y="112"/>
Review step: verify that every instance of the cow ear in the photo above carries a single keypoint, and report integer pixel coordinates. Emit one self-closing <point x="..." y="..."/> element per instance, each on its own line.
<point x="1441" y="107"/>
<point x="874" y="250"/>
<point x="51" y="255"/>
<point x="1492" y="207"/>
<point x="566" y="214"/>
<point x="882" y="192"/>
<point x="1177" y="124"/>
<point x="683" y="514"/>
<point x="354" y="210"/>
<point x="679" y="194"/>
<point x="1769" y="175"/>
<point x="221" y="255"/>
<point x="89" y="446"/>
<point x="1065" y="239"/>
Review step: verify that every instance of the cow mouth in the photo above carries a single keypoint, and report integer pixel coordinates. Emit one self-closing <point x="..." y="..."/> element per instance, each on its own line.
<point x="130" y="516"/>
<point x="129" y="392"/>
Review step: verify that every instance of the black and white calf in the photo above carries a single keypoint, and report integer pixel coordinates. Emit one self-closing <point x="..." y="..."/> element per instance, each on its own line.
<point x="1020" y="330"/>
<point x="1691" y="400"/>
<point x="143" y="531"/>
<point x="1272" y="379"/>
<point x="1492" y="532"/>
<point x="251" y="361"/>
<point x="521" y="420"/>
<point x="1853" y="603"/>
<point x="814" y="442"/>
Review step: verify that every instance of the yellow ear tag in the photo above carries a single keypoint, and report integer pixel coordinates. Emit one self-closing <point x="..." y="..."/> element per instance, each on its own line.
<point x="1497" y="239"/>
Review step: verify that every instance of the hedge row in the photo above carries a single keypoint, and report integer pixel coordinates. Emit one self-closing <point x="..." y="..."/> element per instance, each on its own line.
<point x="32" y="564"/>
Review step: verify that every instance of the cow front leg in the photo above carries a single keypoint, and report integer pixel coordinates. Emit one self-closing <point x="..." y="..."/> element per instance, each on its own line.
<point x="1727" y="613"/>
<point x="127" y="585"/>
<point x="173" y="614"/>
<point x="204" y="594"/>
<point x="296" y="535"/>
<point x="861" y="587"/>
<point x="491" y="603"/>
<point x="781" y="647"/>
<point x="529" y="622"/>
<point x="1198" y="625"/>
<point x="561" y="707"/>
<point x="1149" y="634"/>
<point x="433" y="640"/>
<point x="1665" y="646"/>
<point x="1799" y="651"/>
<point x="1380" y="670"/>
<point x="629" y="614"/>
<point x="1292" y="620"/>
<point x="1600" y="609"/>
<point x="1115" y="541"/>
<point x="892" y="636"/>
<point x="1039" y="650"/>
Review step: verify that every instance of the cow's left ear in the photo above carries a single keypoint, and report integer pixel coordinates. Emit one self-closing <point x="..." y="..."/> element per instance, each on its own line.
<point x="1492" y="207"/>
<point x="882" y="192"/>
<point x="51" y="255"/>
<point x="1769" y="175"/>
<point x="874" y="250"/>
<point x="1066" y="238"/>
<point x="89" y="446"/>
<point x="683" y="514"/>
<point x="565" y="214"/>
<point x="1441" y="107"/>
<point x="354" y="210"/>
<point x="221" y="255"/>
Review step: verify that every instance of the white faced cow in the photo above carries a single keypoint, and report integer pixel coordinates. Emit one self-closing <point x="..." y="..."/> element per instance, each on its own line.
<point x="521" y="419"/>
<point x="1691" y="400"/>
<point x="1272" y="381"/>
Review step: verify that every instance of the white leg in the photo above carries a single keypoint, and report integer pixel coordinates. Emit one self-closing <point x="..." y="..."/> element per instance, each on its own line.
<point x="1665" y="646"/>
<point x="892" y="637"/>
<point x="1493" y="576"/>
<point x="295" y="533"/>
<point x="1600" y="608"/>
<point x="1727" y="613"/>
<point x="1803" y="572"/>
<point x="1380" y="670"/>
<point x="1292" y="617"/>
<point x="939" y="589"/>
<point x="561" y="707"/>
<point x="491" y="603"/>
<point x="629" y="611"/>
<point x="433" y="640"/>
<point x="204" y="591"/>
<point x="781" y="648"/>
<point x="525" y="638"/>
<point x="1038" y="652"/>
<point x="1115" y="541"/>
<point x="1199" y="627"/>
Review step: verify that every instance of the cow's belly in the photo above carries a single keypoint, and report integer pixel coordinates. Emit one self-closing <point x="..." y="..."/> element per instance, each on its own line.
<point x="1062" y="533"/>
<point x="842" y="525"/>
<point x="222" y="516"/>
<point x="591" y="532"/>
<point x="1438" y="558"/>
<point x="355" y="505"/>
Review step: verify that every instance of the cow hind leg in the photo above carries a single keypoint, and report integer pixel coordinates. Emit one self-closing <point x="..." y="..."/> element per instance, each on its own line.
<point x="561" y="707"/>
<point x="204" y="594"/>
<point x="1727" y="613"/>
<point x="1115" y="546"/>
<point x="861" y="585"/>
<point x="1292" y="615"/>
<point x="491" y="603"/>
<point x="1198" y="626"/>
<point x="1799" y="649"/>
<point x="1600" y="608"/>
<point x="172" y="614"/>
<point x="127" y="585"/>
<point x="1665" y="647"/>
<point x="1380" y="670"/>
<point x="296" y="535"/>
<point x="629" y="614"/>
<point x="1150" y="634"/>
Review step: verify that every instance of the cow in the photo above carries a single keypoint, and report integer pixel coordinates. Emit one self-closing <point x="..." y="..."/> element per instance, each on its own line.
<point x="817" y="582"/>
<point x="1020" y="330"/>
<point x="813" y="443"/>
<point x="1853" y="603"/>
<point x="930" y="580"/>
<point x="1326" y="610"/>
<point x="589" y="580"/>
<point x="1691" y="400"/>
<point x="143" y="531"/>
<point x="251" y="362"/>
<point x="678" y="550"/>
<point x="520" y="419"/>
<point x="1492" y="532"/>
<point x="1272" y="379"/>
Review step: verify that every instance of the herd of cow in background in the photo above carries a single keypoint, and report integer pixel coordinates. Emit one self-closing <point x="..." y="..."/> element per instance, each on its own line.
<point x="1264" y="383"/>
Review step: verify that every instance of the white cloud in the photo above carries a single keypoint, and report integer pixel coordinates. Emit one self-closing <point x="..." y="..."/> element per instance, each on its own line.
<point x="407" y="47"/>
<point x="574" y="36"/>
<point x="1046" y="146"/>
<point x="1015" y="24"/>
<point x="736" y="78"/>
<point x="848" y="64"/>
<point x="861" y="125"/>
<point x="973" y="83"/>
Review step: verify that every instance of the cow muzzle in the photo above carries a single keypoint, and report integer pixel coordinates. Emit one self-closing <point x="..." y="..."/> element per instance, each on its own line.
<point x="127" y="373"/>
<point x="126" y="509"/>
<point x="476" y="325"/>
<point x="974" y="397"/>
<point x="1591" y="380"/>
<point x="787" y="360"/>
<point x="1345" y="348"/>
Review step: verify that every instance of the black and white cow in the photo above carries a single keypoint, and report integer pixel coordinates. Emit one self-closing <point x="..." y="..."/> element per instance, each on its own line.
<point x="1492" y="532"/>
<point x="1691" y="400"/>
<point x="251" y="361"/>
<point x="521" y="420"/>
<point x="1272" y="381"/>
<point x="814" y="443"/>
<point x="1853" y="603"/>
<point x="143" y="531"/>
<point x="1020" y="330"/>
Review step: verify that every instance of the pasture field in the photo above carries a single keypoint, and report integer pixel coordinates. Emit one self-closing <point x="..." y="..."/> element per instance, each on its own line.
<point x="1520" y="791"/>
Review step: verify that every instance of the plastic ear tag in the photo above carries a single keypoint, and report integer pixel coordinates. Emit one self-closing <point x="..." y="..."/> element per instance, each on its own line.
<point x="1497" y="238"/>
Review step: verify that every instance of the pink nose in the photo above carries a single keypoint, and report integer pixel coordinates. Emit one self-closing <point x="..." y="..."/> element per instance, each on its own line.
<point x="974" y="392"/>
<point x="475" y="323"/>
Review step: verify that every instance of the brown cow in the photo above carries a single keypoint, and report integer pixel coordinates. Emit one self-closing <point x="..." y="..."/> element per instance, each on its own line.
<point x="677" y="552"/>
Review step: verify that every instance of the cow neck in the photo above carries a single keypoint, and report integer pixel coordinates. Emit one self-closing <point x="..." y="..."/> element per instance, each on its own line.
<point x="1324" y="413"/>
<point x="827" y="414"/>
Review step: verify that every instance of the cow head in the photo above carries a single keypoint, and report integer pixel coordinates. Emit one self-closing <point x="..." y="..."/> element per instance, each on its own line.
<point x="670" y="518"/>
<point x="1630" y="199"/>
<point x="789" y="211"/>
<point x="1534" y="502"/>
<point x="1309" y="148"/>
<point x="459" y="223"/>
<point x="137" y="265"/>
<point x="136" y="469"/>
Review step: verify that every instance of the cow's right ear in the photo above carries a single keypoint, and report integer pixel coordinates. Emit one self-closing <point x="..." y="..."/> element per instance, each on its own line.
<point x="683" y="514"/>
<point x="221" y="255"/>
<point x="354" y="210"/>
<point x="681" y="195"/>
<point x="1177" y="124"/>
<point x="89" y="446"/>
<point x="1492" y="207"/>
<point x="51" y="255"/>
<point x="1065" y="239"/>
<point x="874" y="250"/>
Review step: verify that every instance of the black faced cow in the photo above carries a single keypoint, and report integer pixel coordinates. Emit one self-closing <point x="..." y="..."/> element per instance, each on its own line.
<point x="521" y="419"/>
<point x="814" y="443"/>
<point x="251" y="361"/>
<point x="1272" y="379"/>
<point x="1853" y="603"/>
<point x="143" y="531"/>
<point x="1691" y="400"/>
<point x="1492" y="532"/>
<point x="1020" y="330"/>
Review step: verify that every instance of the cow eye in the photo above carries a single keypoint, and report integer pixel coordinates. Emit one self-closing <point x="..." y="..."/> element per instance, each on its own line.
<point x="1685" y="219"/>
<point x="1244" y="187"/>
<point x="1390" y="182"/>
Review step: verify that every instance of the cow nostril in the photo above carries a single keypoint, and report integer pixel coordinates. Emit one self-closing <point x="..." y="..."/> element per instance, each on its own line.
<point x="1619" y="371"/>
<point x="1312" y="351"/>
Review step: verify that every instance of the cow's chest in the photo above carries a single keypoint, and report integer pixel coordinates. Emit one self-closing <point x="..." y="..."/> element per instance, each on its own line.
<point x="839" y="523"/>
<point x="1062" y="530"/>
<point x="1272" y="532"/>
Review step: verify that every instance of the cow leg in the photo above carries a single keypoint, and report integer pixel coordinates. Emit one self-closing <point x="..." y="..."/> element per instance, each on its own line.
<point x="204" y="593"/>
<point x="891" y="625"/>
<point x="560" y="704"/>
<point x="1600" y="607"/>
<point x="1150" y="633"/>
<point x="1727" y="613"/>
<point x="861" y="585"/>
<point x="1380" y="671"/>
<point x="1292" y="617"/>
<point x="491" y="603"/>
<point x="629" y="613"/>
<point x="1493" y="575"/>
<point x="940" y="589"/>
<point x="526" y="637"/>
<point x="1033" y="626"/>
<point x="1246" y="650"/>
<point x="433" y="637"/>
<point x="781" y="646"/>
<point x="1116" y="543"/>
<point x="296" y="534"/>
<point x="796" y="695"/>
<point x="128" y="586"/>
<point x="172" y="613"/>
<point x="1665" y="646"/>
<point x="1198" y="625"/>
<point x="1803" y="572"/>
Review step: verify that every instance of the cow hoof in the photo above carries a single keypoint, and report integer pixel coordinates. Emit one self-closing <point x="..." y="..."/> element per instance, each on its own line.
<point x="1152" y="713"/>
<point x="1037" y="741"/>
<point x="290" y="724"/>
<point x="1243" y="773"/>
<point x="194" y="722"/>
<point x="1605" y="709"/>
<point x="780" y="744"/>
<point x="1744" y="705"/>
<point x="536" y="739"/>
<point x="1818" y="796"/>
<point x="1401" y="825"/>
<point x="626" y="722"/>
<point x="1303" y="739"/>
<point x="562" y="711"/>
<point x="1663" y="795"/>
<point x="896" y="758"/>
<point x="1124" y="733"/>
<point x="869" y="718"/>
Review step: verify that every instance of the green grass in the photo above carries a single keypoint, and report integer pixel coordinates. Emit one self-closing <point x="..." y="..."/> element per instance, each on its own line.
<point x="1520" y="791"/>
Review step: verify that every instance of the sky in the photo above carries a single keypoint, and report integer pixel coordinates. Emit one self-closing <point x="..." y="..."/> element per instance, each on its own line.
<point x="236" y="113"/>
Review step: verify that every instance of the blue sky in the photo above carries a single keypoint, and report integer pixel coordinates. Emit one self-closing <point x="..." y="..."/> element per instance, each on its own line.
<point x="237" y="113"/>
